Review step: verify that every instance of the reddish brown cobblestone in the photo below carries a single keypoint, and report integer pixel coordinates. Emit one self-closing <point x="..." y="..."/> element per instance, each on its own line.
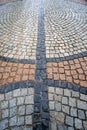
<point x="74" y="71"/>
<point x="80" y="1"/>
<point x="15" y="72"/>
<point x="5" y="1"/>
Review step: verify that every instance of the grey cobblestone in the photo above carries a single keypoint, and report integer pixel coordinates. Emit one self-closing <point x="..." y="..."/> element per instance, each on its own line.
<point x="28" y="120"/>
<point x="85" y="124"/>
<point x="12" y="102"/>
<point x="67" y="92"/>
<point x="73" y="112"/>
<point x="16" y="93"/>
<point x="83" y="97"/>
<point x="82" y="105"/>
<point x="59" y="116"/>
<point x="21" y="110"/>
<point x="81" y="114"/>
<point x="9" y="95"/>
<point x="75" y="94"/>
<point x="65" y="109"/>
<point x="13" y="111"/>
<point x="1" y="97"/>
<point x="3" y="124"/>
<point x="59" y="91"/>
<point x="29" y="99"/>
<point x="58" y="106"/>
<point x="51" y="105"/>
<point x="78" y="124"/>
<point x="29" y="109"/>
<point x="70" y="128"/>
<point x="4" y="104"/>
<point x="5" y="113"/>
<point x="13" y="121"/>
<point x="20" y="121"/>
<point x="64" y="100"/>
<point x="20" y="100"/>
<point x="72" y="102"/>
<point x="30" y="91"/>
<point x="51" y="96"/>
<point x="24" y="91"/>
<point x="51" y="89"/>
<point x="69" y="120"/>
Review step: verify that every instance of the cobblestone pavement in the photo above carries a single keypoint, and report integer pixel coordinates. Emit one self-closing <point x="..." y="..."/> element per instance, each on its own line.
<point x="43" y="65"/>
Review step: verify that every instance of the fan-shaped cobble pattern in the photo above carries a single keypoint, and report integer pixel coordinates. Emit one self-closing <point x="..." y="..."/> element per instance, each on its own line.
<point x="65" y="26"/>
<point x="18" y="30"/>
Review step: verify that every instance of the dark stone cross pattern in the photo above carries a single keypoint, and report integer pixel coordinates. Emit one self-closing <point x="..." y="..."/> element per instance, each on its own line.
<point x="41" y="105"/>
<point x="41" y="116"/>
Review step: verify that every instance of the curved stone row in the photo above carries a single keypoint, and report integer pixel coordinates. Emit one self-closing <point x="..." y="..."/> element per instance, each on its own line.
<point x="18" y="30"/>
<point x="65" y="28"/>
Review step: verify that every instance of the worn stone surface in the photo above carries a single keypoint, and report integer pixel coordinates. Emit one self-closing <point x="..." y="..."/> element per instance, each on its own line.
<point x="78" y="123"/>
<point x="69" y="120"/>
<point x="43" y="65"/>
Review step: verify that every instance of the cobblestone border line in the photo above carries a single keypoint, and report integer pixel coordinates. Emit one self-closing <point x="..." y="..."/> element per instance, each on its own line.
<point x="67" y="85"/>
<point x="24" y="61"/>
<point x="72" y="57"/>
<point x="16" y="85"/>
<point x="41" y="104"/>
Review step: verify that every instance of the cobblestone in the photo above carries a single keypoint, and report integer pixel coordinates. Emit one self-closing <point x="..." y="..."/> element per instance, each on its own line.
<point x="78" y="123"/>
<point x="43" y="65"/>
<point x="69" y="120"/>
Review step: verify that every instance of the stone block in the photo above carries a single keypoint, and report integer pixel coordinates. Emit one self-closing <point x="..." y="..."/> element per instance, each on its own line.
<point x="28" y="120"/>
<point x="65" y="100"/>
<point x="1" y="97"/>
<point x="5" y="113"/>
<point x="75" y="94"/>
<point x="67" y="92"/>
<point x="81" y="114"/>
<point x="16" y="93"/>
<point x="51" y="96"/>
<point x="20" y="100"/>
<point x="29" y="99"/>
<point x="20" y="121"/>
<point x="85" y="124"/>
<point x="69" y="120"/>
<point x="12" y="102"/>
<point x="13" y="121"/>
<point x="57" y="106"/>
<point x="3" y="124"/>
<point x="4" y="104"/>
<point x="51" y="90"/>
<point x="72" y="102"/>
<point x="60" y="116"/>
<point x="30" y="91"/>
<point x="73" y="112"/>
<point x="24" y="91"/>
<point x="81" y="105"/>
<point x="59" y="91"/>
<point x="8" y="95"/>
<point x="65" y="109"/>
<point x="29" y="109"/>
<point x="83" y="97"/>
<point x="51" y="105"/>
<point x="21" y="110"/>
<point x="78" y="123"/>
<point x="13" y="111"/>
